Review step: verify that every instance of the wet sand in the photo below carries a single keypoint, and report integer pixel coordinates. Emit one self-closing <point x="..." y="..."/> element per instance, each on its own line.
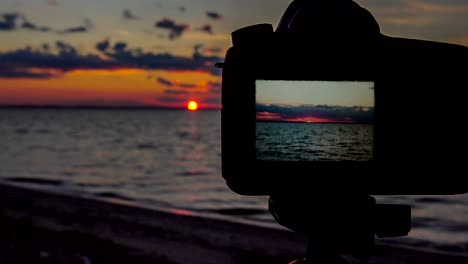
<point x="42" y="227"/>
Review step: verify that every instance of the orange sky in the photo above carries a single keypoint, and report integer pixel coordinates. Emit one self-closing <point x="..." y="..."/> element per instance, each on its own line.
<point x="123" y="87"/>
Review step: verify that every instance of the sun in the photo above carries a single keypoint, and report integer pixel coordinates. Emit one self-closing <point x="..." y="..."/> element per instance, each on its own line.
<point x="192" y="106"/>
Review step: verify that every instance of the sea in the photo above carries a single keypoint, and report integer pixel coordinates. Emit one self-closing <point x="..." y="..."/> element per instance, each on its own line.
<point x="169" y="160"/>
<point x="290" y="141"/>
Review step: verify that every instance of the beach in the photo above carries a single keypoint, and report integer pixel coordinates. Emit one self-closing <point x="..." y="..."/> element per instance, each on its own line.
<point x="45" y="227"/>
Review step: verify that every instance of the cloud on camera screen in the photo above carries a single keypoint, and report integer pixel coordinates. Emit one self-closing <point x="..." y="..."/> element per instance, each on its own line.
<point x="314" y="120"/>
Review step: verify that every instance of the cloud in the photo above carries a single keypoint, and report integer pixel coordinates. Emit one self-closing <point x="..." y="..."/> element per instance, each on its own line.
<point x="165" y="61"/>
<point x="182" y="9"/>
<point x="120" y="46"/>
<point x="88" y="25"/>
<point x="439" y="20"/>
<point x="10" y="72"/>
<point x="65" y="48"/>
<point x="164" y="81"/>
<point x="103" y="45"/>
<point x="49" y="61"/>
<point x="212" y="100"/>
<point x="170" y="99"/>
<point x="175" y="30"/>
<point x="214" y="87"/>
<point x="206" y="28"/>
<point x="170" y="83"/>
<point x="33" y="27"/>
<point x="327" y="112"/>
<point x="128" y="15"/>
<point x="8" y="21"/>
<point x="176" y="92"/>
<point x="213" y="15"/>
<point x="79" y="29"/>
<point x="42" y="63"/>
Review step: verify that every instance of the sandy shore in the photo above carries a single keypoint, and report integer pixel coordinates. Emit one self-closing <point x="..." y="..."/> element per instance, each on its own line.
<point x="40" y="227"/>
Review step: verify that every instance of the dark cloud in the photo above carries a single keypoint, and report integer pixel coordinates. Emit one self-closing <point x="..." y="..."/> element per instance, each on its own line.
<point x="31" y="26"/>
<point x="165" y="61"/>
<point x="103" y="45"/>
<point x="26" y="62"/>
<point x="128" y="14"/>
<point x="175" y="30"/>
<point x="213" y="100"/>
<point x="182" y="9"/>
<point x="164" y="81"/>
<point x="213" y="15"/>
<point x="120" y="46"/>
<point x="88" y="25"/>
<point x="170" y="99"/>
<point x="79" y="29"/>
<point x="176" y="92"/>
<point x="206" y="28"/>
<point x="8" y="21"/>
<point x="45" y="47"/>
<point x="338" y="113"/>
<point x="207" y="60"/>
<point x="175" y="84"/>
<point x="51" y="61"/>
<point x="65" y="48"/>
<point x="214" y="87"/>
<point x="9" y="72"/>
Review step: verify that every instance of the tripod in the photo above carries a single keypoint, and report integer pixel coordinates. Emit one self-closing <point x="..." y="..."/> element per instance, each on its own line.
<point x="339" y="228"/>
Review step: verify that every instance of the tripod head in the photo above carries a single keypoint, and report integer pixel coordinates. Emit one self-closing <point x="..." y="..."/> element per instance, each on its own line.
<point x="340" y="225"/>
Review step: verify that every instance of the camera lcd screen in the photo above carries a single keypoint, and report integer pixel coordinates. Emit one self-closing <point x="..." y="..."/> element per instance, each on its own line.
<point x="314" y="120"/>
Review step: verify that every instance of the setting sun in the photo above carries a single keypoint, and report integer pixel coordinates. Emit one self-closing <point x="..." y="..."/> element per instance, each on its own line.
<point x="192" y="106"/>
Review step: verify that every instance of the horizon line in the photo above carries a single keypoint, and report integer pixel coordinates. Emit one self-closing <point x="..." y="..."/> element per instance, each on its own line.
<point x="51" y="106"/>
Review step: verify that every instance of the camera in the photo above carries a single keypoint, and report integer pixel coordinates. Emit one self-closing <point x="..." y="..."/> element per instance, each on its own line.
<point x="343" y="112"/>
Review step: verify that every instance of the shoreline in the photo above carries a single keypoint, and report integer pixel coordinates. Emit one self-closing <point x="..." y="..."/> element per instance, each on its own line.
<point x="44" y="225"/>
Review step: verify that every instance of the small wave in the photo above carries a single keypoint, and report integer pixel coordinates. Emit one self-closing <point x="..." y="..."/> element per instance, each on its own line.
<point x="51" y="149"/>
<point x="22" y="131"/>
<point x="192" y="173"/>
<point x="452" y="248"/>
<point x="238" y="211"/>
<point x="69" y="173"/>
<point x="43" y="131"/>
<point x="146" y="146"/>
<point x="183" y="134"/>
<point x="188" y="135"/>
<point x="422" y="222"/>
<point x="35" y="181"/>
<point x="114" y="196"/>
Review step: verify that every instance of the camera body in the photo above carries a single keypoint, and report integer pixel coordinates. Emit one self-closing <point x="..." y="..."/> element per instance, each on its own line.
<point x="418" y="142"/>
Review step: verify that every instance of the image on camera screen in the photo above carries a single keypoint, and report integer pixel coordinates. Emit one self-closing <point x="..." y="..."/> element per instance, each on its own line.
<point x="314" y="120"/>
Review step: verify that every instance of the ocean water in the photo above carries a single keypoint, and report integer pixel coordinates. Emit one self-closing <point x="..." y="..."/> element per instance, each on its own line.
<point x="171" y="160"/>
<point x="314" y="142"/>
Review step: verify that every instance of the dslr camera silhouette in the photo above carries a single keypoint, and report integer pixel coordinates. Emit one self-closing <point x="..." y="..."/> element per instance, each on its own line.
<point x="326" y="103"/>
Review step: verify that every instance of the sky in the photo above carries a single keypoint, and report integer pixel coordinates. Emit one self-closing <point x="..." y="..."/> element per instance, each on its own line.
<point x="315" y="101"/>
<point x="159" y="52"/>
